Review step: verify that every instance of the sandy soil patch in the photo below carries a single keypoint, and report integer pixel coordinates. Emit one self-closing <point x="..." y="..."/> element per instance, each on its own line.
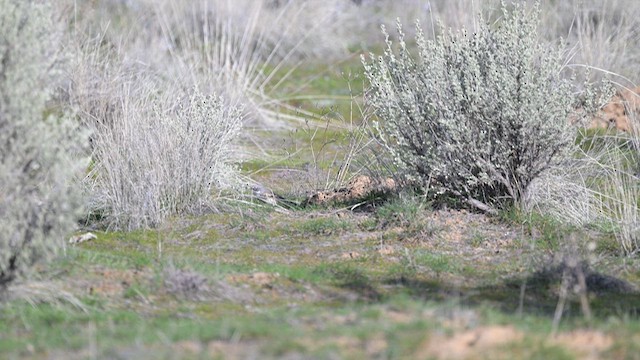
<point x="469" y="344"/>
<point x="588" y="344"/>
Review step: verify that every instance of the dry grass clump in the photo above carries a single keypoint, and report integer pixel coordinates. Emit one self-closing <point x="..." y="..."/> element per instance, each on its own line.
<point x="185" y="283"/>
<point x="163" y="161"/>
<point x="598" y="187"/>
<point x="620" y="190"/>
<point x="603" y="35"/>
<point x="42" y="292"/>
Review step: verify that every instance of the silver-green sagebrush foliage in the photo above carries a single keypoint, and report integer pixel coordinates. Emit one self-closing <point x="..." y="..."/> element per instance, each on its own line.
<point x="477" y="116"/>
<point x="37" y="202"/>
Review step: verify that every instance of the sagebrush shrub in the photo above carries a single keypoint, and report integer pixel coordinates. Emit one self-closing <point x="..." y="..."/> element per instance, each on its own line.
<point x="477" y="116"/>
<point x="155" y="161"/>
<point x="38" y="205"/>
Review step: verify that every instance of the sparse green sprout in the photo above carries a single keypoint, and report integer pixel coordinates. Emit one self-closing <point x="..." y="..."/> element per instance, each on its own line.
<point x="475" y="116"/>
